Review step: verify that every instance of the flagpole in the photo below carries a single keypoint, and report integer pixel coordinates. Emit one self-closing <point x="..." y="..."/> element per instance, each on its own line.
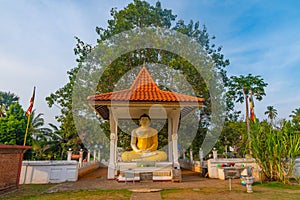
<point x="28" y="114"/>
<point x="25" y="137"/>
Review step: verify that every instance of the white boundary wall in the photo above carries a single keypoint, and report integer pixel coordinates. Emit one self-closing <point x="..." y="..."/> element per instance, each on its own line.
<point x="296" y="171"/>
<point x="41" y="172"/>
<point x="217" y="172"/>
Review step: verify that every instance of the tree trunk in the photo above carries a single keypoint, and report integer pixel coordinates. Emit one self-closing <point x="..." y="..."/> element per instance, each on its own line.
<point x="248" y="124"/>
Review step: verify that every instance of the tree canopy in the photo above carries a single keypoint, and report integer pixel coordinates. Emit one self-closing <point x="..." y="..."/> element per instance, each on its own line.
<point x="13" y="125"/>
<point x="139" y="14"/>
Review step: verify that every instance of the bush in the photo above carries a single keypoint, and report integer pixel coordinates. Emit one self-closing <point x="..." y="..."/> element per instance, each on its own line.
<point x="275" y="150"/>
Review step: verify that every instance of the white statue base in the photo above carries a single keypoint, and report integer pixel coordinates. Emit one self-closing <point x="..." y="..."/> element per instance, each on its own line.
<point x="131" y="171"/>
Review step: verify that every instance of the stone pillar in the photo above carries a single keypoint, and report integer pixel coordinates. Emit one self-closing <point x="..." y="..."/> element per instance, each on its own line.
<point x="80" y="157"/>
<point x="88" y="156"/>
<point x="170" y="146"/>
<point x="191" y="156"/>
<point x="69" y="155"/>
<point x="94" y="155"/>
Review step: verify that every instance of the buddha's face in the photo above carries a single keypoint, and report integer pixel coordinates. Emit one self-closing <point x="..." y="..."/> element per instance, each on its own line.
<point x="144" y="121"/>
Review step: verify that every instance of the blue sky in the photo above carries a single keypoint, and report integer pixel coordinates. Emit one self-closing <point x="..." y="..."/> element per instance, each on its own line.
<point x="258" y="36"/>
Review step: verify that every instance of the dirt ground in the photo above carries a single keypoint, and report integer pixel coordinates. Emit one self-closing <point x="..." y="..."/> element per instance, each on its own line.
<point x="97" y="180"/>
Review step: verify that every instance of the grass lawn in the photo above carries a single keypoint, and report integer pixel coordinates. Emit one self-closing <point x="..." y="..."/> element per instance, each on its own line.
<point x="271" y="190"/>
<point x="36" y="192"/>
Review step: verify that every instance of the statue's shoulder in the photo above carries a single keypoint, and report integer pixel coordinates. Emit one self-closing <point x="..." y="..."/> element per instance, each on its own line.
<point x="133" y="132"/>
<point x="153" y="130"/>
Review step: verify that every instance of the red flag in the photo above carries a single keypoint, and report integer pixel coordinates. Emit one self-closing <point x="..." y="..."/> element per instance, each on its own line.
<point x="252" y="115"/>
<point x="28" y="112"/>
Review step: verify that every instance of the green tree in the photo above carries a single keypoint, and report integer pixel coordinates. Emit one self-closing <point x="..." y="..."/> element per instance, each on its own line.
<point x="241" y="87"/>
<point x="63" y="97"/>
<point x="139" y="14"/>
<point x="271" y="113"/>
<point x="234" y="135"/>
<point x="13" y="125"/>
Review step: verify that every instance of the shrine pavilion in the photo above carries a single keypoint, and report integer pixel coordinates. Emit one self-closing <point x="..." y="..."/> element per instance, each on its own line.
<point x="128" y="104"/>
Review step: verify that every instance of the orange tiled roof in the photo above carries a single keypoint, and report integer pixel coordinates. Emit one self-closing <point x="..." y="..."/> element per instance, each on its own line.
<point x="144" y="89"/>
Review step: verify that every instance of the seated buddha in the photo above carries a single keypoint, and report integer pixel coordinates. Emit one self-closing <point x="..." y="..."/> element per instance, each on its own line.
<point x="144" y="143"/>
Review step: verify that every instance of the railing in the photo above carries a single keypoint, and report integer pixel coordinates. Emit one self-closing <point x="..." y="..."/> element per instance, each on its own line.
<point x="86" y="161"/>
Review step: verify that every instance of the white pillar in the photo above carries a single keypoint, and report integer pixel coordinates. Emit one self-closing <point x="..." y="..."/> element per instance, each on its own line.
<point x="94" y="155"/>
<point x="175" y="120"/>
<point x="69" y="155"/>
<point x="116" y="148"/>
<point x="111" y="164"/>
<point x="80" y="157"/>
<point x="191" y="156"/>
<point x="170" y="146"/>
<point x="88" y="156"/>
<point x="112" y="168"/>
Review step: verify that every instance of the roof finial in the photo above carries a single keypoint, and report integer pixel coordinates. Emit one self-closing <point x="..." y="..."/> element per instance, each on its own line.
<point x="144" y="64"/>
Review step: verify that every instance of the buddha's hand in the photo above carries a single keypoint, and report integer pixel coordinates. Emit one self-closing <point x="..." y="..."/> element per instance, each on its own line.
<point x="146" y="151"/>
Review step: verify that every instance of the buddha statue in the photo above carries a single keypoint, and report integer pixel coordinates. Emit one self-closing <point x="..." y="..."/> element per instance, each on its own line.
<point x="144" y="143"/>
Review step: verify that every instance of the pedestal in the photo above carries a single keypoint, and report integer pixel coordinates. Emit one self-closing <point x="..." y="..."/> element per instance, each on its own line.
<point x="249" y="181"/>
<point x="176" y="175"/>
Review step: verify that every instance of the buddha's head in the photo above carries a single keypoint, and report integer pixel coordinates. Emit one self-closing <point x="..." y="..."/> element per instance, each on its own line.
<point x="145" y="120"/>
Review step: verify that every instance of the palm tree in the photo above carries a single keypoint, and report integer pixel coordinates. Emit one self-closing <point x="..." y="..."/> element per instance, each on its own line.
<point x="6" y="99"/>
<point x="296" y="118"/>
<point x="272" y="114"/>
<point x="45" y="141"/>
<point x="240" y="88"/>
<point x="37" y="125"/>
<point x="47" y="145"/>
<point x="2" y="111"/>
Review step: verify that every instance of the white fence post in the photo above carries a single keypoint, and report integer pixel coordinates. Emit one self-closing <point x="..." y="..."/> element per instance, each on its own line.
<point x="80" y="157"/>
<point x="191" y="156"/>
<point x="88" y="156"/>
<point x="69" y="155"/>
<point x="215" y="153"/>
<point x="95" y="155"/>
<point x="99" y="156"/>
<point x="201" y="156"/>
